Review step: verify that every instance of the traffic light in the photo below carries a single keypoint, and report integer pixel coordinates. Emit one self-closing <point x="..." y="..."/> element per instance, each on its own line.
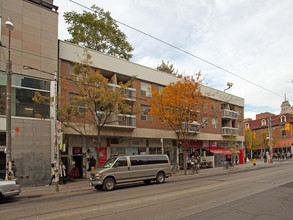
<point x="254" y="135"/>
<point x="287" y="127"/>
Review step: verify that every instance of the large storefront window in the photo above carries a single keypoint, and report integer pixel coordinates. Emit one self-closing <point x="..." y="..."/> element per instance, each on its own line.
<point x="23" y="90"/>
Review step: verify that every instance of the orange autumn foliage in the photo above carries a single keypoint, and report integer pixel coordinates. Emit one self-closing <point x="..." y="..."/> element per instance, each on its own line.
<point x="180" y="103"/>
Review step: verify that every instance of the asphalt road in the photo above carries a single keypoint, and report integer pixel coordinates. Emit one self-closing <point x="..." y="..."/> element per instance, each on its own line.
<point x="263" y="193"/>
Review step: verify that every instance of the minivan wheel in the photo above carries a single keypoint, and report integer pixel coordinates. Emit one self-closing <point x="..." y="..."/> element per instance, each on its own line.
<point x="109" y="184"/>
<point x="160" y="178"/>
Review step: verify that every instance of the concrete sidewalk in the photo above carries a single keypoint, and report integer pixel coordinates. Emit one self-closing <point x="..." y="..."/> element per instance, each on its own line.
<point x="81" y="185"/>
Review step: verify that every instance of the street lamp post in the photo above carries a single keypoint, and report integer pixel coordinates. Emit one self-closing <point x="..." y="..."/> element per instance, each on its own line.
<point x="9" y="25"/>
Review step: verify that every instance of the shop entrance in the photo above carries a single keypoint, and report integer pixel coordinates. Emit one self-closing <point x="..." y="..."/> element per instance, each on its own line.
<point x="78" y="164"/>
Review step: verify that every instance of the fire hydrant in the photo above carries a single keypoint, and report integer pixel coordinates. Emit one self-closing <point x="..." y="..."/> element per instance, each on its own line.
<point x="254" y="162"/>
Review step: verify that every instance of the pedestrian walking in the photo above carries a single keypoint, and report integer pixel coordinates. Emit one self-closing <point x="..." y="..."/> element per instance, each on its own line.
<point x="13" y="168"/>
<point x="52" y="172"/>
<point x="288" y="155"/>
<point x="62" y="169"/>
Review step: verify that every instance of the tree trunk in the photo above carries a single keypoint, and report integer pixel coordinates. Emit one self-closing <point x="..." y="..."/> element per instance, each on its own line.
<point x="99" y="147"/>
<point x="184" y="161"/>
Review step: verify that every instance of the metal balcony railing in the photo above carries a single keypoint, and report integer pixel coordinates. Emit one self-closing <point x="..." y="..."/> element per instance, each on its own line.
<point x="229" y="114"/>
<point x="229" y="131"/>
<point x="127" y="120"/>
<point x="119" y="120"/>
<point x="129" y="92"/>
<point x="193" y="127"/>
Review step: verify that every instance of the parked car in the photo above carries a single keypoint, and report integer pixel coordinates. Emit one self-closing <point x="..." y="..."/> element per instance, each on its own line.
<point x="125" y="169"/>
<point x="9" y="188"/>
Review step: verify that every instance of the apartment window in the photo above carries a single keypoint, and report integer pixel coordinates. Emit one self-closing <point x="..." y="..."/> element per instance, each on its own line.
<point x="239" y="110"/>
<point x="215" y="105"/>
<point x="239" y="125"/>
<point x="72" y="75"/>
<point x="263" y="122"/>
<point x="144" y="87"/>
<point x="22" y="92"/>
<point x="160" y="89"/>
<point x="283" y="119"/>
<point x="214" y="122"/>
<point x="77" y="102"/>
<point x="204" y="122"/>
<point x="246" y="125"/>
<point x="144" y="114"/>
<point x="283" y="134"/>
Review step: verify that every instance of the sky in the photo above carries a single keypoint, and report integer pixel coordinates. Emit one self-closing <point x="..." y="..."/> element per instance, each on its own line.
<point x="246" y="42"/>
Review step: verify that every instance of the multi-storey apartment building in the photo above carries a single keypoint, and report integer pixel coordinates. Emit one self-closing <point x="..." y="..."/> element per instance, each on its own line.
<point x="34" y="42"/>
<point x="282" y="137"/>
<point x="139" y="133"/>
<point x="36" y="60"/>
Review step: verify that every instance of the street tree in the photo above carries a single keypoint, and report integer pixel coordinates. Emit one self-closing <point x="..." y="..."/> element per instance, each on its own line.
<point x="97" y="30"/>
<point x="180" y="106"/>
<point x="232" y="146"/>
<point x="262" y="140"/>
<point x="167" y="67"/>
<point x="93" y="103"/>
<point x="250" y="141"/>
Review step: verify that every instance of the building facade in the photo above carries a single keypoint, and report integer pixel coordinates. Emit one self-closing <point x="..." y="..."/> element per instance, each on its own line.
<point x="142" y="134"/>
<point x="34" y="42"/>
<point x="281" y="128"/>
<point x="37" y="57"/>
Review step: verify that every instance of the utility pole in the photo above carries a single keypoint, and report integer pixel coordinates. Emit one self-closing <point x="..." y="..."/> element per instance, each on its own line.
<point x="271" y="139"/>
<point x="9" y="25"/>
<point x="251" y="145"/>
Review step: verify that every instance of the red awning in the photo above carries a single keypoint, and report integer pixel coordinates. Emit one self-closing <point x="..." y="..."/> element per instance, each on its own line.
<point x="284" y="143"/>
<point x="218" y="150"/>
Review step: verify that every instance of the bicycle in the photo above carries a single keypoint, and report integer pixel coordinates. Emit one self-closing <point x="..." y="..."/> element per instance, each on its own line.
<point x="229" y="164"/>
<point x="194" y="168"/>
<point x="197" y="168"/>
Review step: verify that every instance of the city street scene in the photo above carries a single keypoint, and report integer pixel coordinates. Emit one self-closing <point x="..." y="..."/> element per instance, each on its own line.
<point x="146" y="109"/>
<point x="246" y="191"/>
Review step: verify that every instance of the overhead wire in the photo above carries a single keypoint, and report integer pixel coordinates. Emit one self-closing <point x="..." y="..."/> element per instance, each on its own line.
<point x="183" y="51"/>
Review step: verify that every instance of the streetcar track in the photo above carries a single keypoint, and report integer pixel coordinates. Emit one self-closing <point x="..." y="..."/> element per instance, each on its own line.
<point x="174" y="181"/>
<point x="153" y="203"/>
<point x="182" y="198"/>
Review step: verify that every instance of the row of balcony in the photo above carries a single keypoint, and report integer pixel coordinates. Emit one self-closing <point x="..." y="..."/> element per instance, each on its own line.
<point x="129" y="121"/>
<point x="229" y="114"/>
<point x="129" y="92"/>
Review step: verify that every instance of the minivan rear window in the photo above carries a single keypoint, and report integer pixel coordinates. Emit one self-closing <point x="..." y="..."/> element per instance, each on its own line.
<point x="148" y="160"/>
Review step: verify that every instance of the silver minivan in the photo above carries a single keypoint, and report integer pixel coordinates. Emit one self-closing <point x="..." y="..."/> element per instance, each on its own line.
<point x="125" y="169"/>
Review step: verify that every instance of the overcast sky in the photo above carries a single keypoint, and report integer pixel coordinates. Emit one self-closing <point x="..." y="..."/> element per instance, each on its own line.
<point x="252" y="40"/>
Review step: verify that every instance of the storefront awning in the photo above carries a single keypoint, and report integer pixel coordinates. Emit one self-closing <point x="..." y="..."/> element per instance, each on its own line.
<point x="218" y="150"/>
<point x="284" y="143"/>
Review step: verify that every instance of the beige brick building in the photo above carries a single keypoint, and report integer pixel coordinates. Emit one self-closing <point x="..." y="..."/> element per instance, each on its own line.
<point x="34" y="42"/>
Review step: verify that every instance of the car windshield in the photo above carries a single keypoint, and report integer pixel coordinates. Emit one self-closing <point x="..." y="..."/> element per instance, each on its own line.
<point x="109" y="162"/>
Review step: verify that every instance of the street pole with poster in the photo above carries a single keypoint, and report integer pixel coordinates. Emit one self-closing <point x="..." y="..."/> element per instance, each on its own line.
<point x="59" y="142"/>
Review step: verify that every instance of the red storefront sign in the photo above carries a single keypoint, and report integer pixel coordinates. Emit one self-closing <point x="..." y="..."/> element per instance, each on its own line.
<point x="102" y="155"/>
